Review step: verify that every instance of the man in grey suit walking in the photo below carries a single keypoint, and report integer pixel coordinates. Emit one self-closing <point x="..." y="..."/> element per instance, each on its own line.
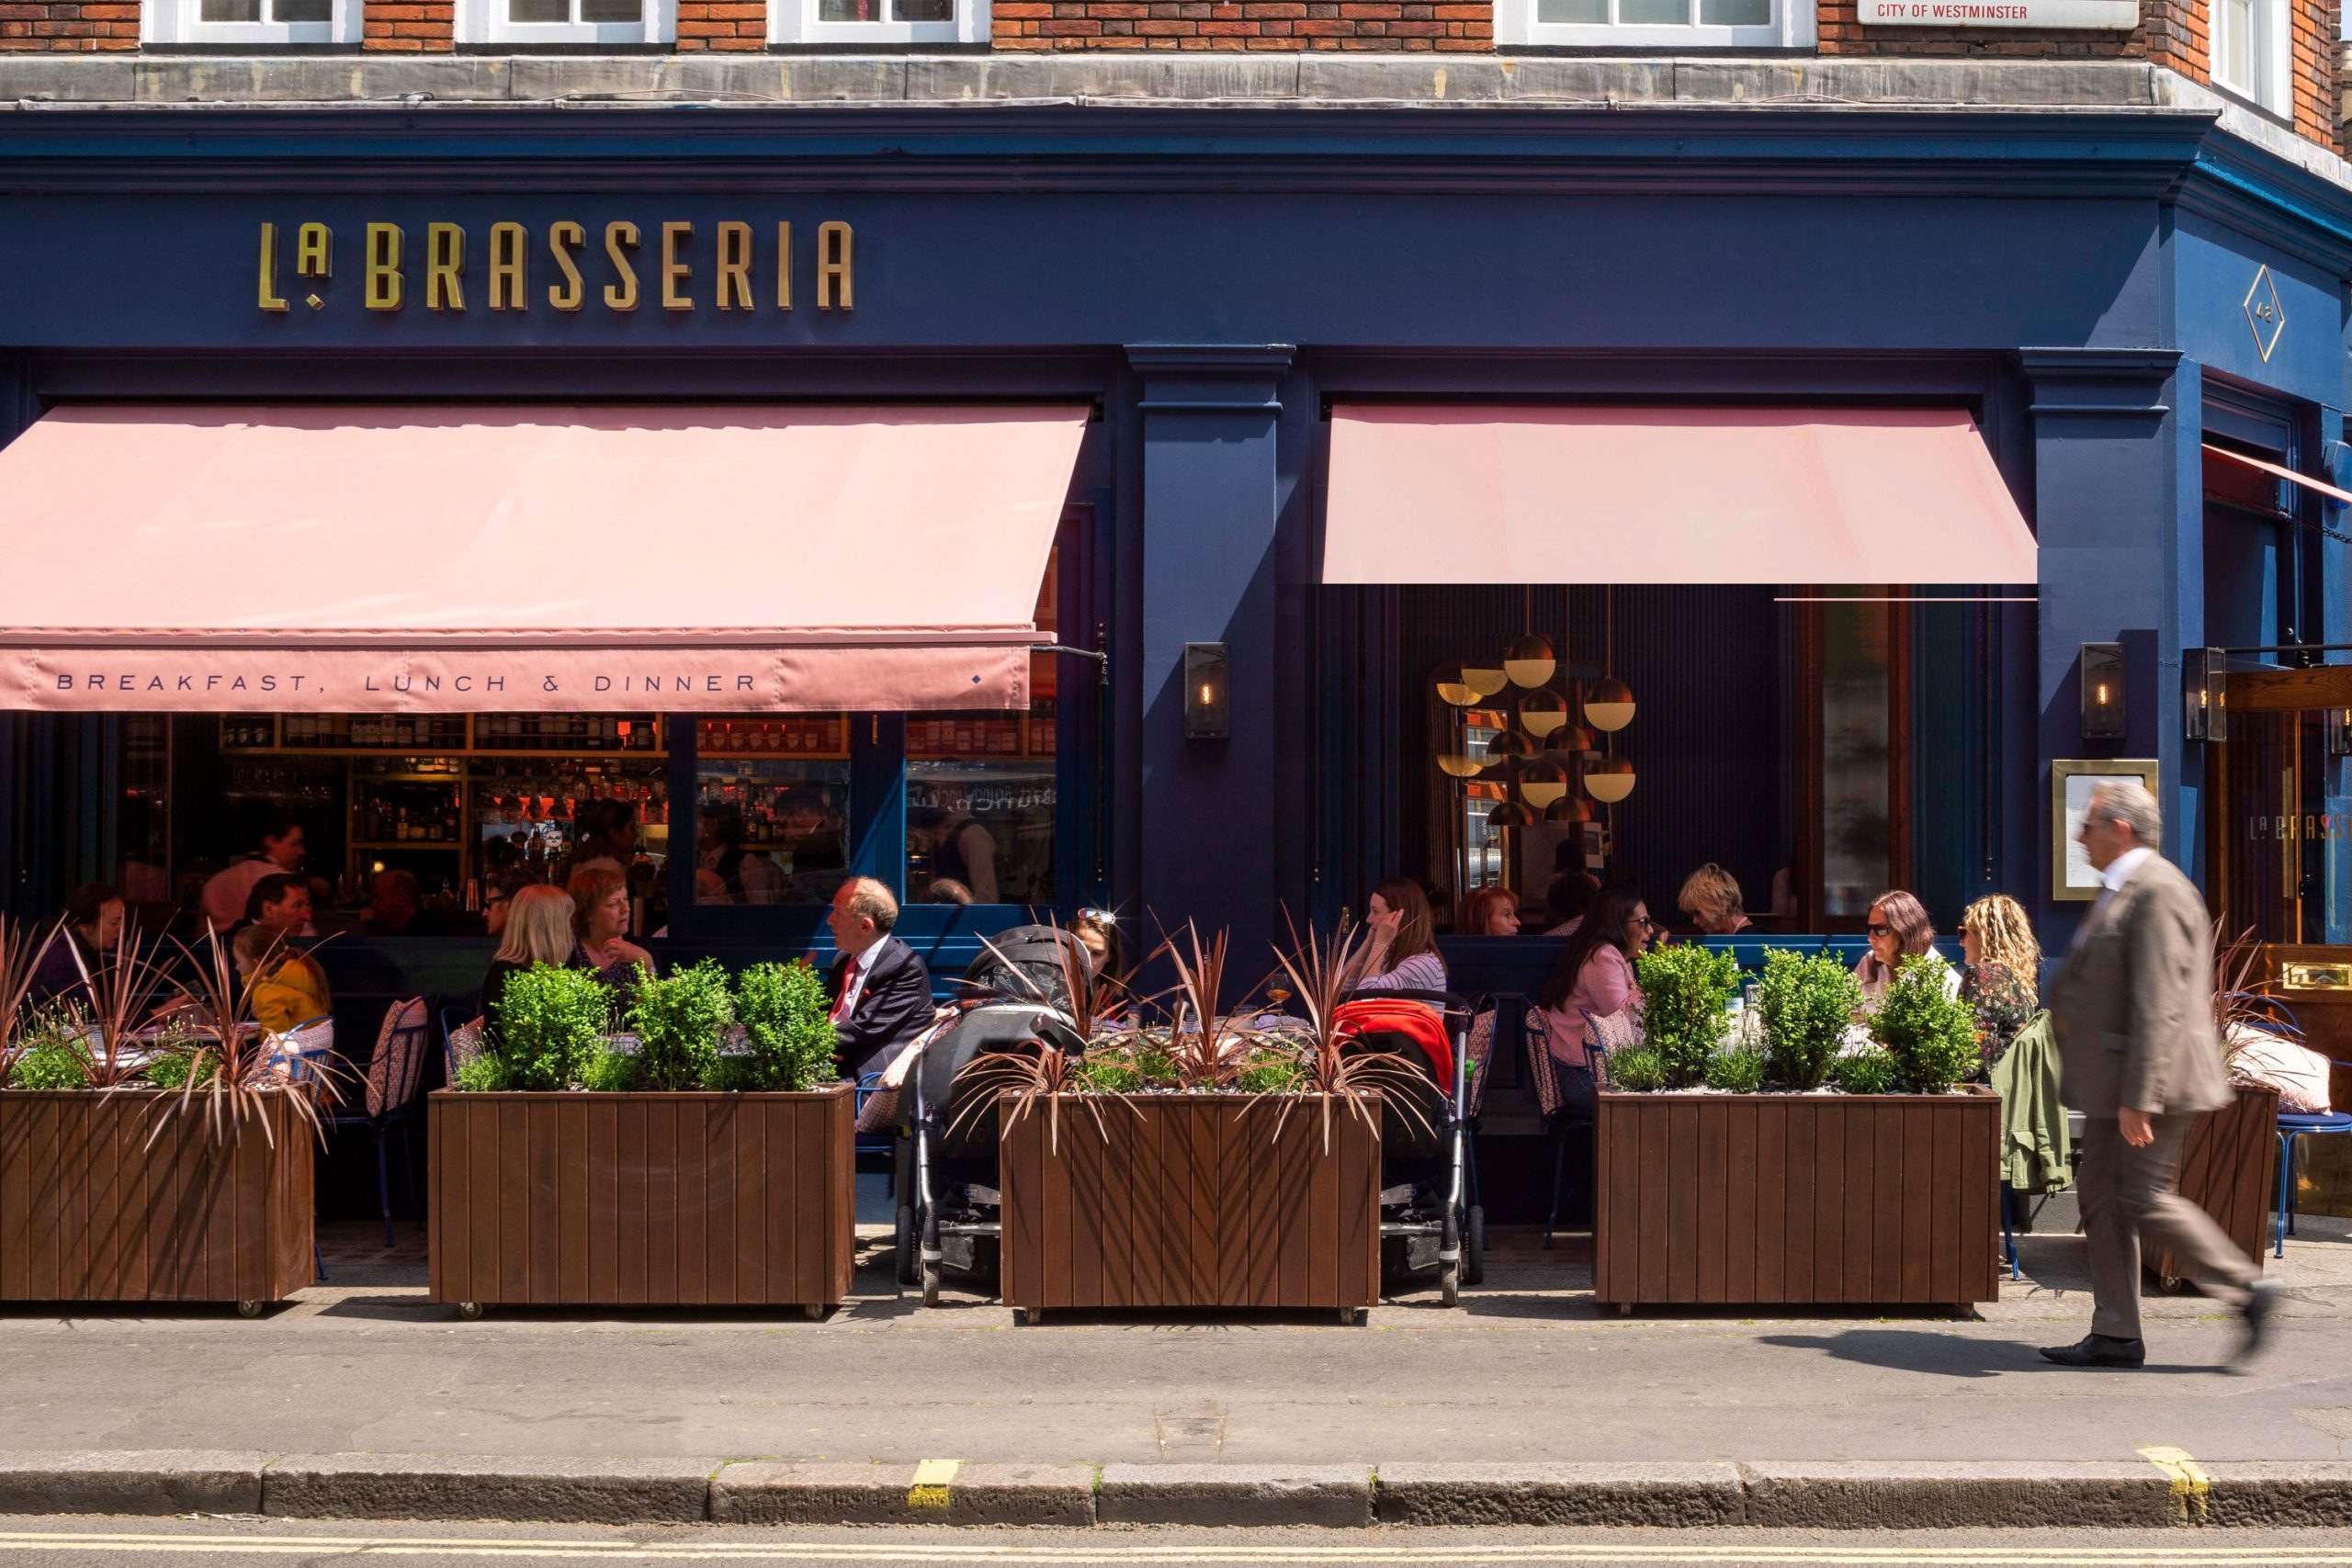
<point x="2132" y="1006"/>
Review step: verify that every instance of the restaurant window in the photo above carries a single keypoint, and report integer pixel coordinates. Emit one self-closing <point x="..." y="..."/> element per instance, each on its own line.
<point x="2251" y="52"/>
<point x="772" y="809"/>
<point x="1859" y="639"/>
<point x="878" y="21"/>
<point x="567" y="21"/>
<point x="250" y="22"/>
<point x="1654" y="24"/>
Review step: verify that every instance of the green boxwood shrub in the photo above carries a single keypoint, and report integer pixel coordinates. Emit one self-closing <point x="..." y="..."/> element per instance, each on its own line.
<point x="551" y="1020"/>
<point x="1929" y="1032"/>
<point x="1684" y="988"/>
<point x="1807" y="1003"/>
<point x="783" y="1010"/>
<point x="678" y="1020"/>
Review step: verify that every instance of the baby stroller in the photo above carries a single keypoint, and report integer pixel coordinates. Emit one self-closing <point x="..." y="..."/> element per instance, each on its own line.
<point x="1426" y="1220"/>
<point x="951" y="1214"/>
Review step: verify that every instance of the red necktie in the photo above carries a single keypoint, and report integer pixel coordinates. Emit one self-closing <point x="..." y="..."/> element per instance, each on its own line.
<point x="841" y="1003"/>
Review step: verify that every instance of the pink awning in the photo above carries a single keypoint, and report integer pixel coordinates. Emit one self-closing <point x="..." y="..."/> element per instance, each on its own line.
<point x="1761" y="495"/>
<point x="488" y="558"/>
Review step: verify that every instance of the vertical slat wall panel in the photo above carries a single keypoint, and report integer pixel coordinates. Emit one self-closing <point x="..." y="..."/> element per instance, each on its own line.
<point x="1173" y="1201"/>
<point x="628" y="1199"/>
<point x="1811" y="1199"/>
<point x="90" y="1210"/>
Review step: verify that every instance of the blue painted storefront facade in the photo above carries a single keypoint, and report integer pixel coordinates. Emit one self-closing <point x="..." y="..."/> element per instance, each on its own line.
<point x="1210" y="280"/>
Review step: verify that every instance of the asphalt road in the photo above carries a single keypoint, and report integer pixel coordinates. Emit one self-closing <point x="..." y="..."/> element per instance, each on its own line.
<point x="89" y="1542"/>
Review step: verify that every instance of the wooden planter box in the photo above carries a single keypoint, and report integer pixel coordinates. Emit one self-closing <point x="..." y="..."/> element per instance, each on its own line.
<point x="2229" y="1167"/>
<point x="1796" y="1198"/>
<point x="643" y="1200"/>
<point x="1193" y="1201"/>
<point x="89" y="1211"/>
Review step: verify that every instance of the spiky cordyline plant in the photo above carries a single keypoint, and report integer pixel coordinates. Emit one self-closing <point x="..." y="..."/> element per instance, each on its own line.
<point x="2240" y="1002"/>
<point x="214" y="1007"/>
<point x="122" y="993"/>
<point x="20" y="957"/>
<point x="1205" y="1045"/>
<point x="1323" y="976"/>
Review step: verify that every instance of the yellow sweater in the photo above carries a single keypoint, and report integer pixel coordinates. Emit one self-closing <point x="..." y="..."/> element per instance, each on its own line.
<point x="293" y="993"/>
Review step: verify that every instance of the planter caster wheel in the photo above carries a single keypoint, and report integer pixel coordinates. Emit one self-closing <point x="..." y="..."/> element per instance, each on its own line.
<point x="1033" y="1316"/>
<point x="250" y="1308"/>
<point x="1355" y="1317"/>
<point x="472" y="1311"/>
<point x="815" y="1312"/>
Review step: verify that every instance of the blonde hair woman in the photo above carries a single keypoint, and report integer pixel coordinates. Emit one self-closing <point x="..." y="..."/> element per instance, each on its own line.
<point x="1994" y="931"/>
<point x="1711" y="897"/>
<point x="538" y="930"/>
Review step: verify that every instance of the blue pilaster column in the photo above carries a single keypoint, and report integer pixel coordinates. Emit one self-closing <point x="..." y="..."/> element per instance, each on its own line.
<point x="2109" y="509"/>
<point x="1210" y="494"/>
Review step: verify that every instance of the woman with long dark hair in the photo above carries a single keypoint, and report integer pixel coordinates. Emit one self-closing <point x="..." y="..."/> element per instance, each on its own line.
<point x="1595" y="971"/>
<point x="1401" y="951"/>
<point x="1898" y="928"/>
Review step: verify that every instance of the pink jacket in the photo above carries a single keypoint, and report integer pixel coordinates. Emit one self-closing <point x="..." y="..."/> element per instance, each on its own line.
<point x="1604" y="986"/>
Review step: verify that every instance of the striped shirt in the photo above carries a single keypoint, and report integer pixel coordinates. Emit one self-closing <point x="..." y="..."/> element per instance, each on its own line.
<point x="1422" y="972"/>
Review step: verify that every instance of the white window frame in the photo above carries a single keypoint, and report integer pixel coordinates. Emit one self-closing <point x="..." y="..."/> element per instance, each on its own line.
<point x="1515" y="27"/>
<point x="795" y="22"/>
<point x="2269" y="82"/>
<point x="180" y="21"/>
<point x="485" y="21"/>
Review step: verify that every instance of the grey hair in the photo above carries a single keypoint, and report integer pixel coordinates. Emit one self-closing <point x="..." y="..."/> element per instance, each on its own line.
<point x="2131" y="804"/>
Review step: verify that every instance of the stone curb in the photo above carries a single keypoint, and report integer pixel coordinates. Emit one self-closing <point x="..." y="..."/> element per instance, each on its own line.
<point x="1234" y="1494"/>
<point x="1790" y="1496"/>
<point x="456" y="1486"/>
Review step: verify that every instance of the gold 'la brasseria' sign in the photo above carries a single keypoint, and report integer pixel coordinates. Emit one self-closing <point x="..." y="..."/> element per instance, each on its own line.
<point x="447" y="273"/>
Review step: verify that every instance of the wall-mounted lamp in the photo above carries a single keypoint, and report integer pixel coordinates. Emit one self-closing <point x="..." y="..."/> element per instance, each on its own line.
<point x="2102" y="673"/>
<point x="1208" y="692"/>
<point x="2200" y="677"/>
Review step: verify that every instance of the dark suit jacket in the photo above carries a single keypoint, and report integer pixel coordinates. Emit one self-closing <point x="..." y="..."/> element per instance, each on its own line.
<point x="2133" y="1003"/>
<point x="893" y="1005"/>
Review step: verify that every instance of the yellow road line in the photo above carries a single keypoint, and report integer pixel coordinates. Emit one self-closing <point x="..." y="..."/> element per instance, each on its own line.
<point x="2189" y="1485"/>
<point x="934" y="1478"/>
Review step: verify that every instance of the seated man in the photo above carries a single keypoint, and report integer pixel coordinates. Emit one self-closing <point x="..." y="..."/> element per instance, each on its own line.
<point x="881" y="989"/>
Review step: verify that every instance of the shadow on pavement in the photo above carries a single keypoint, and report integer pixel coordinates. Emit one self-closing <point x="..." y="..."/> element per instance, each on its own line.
<point x="1947" y="1355"/>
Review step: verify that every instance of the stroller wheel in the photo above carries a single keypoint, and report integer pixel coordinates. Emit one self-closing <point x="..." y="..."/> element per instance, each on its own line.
<point x="1474" y="1246"/>
<point x="910" y="1259"/>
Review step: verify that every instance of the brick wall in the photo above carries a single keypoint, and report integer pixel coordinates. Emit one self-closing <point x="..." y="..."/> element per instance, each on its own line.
<point x="410" y="27"/>
<point x="72" y="24"/>
<point x="722" y="24"/>
<point x="1458" y="27"/>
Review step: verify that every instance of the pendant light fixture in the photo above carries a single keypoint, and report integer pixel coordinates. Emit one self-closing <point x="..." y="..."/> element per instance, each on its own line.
<point x="1530" y="660"/>
<point x="1569" y="808"/>
<point x="1509" y="814"/>
<point x="1483" y="680"/>
<point x="1609" y="706"/>
<point x="1542" y="784"/>
<point x="1543" y="713"/>
<point x="1509" y="743"/>
<point x="1451" y="689"/>
<point x="1460" y="764"/>
<point x="1610" y="780"/>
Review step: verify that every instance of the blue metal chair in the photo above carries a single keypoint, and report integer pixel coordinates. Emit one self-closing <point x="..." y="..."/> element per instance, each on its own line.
<point x="2294" y="1126"/>
<point x="884" y="1144"/>
<point x="394" y="1073"/>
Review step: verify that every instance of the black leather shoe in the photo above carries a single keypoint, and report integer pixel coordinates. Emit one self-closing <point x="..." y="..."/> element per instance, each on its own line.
<point x="2098" y="1350"/>
<point x="2261" y="1302"/>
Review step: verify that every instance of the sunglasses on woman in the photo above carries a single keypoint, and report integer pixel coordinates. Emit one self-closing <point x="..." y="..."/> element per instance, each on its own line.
<point x="1876" y="930"/>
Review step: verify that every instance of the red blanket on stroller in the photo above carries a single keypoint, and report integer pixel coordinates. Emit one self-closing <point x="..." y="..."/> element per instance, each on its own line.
<point x="1395" y="1015"/>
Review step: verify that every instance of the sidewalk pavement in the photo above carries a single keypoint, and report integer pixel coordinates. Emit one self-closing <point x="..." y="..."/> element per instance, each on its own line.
<point x="1530" y="1404"/>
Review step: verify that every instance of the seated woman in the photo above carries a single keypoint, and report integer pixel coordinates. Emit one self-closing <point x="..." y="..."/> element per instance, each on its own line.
<point x="1491" y="911"/>
<point x="1566" y="901"/>
<point x="87" y="934"/>
<point x="539" y="929"/>
<point x="1098" y="932"/>
<point x="1898" y="929"/>
<point x="287" y="988"/>
<point x="1711" y="897"/>
<point x="1400" y="953"/>
<point x="2000" y="970"/>
<point x="600" y="924"/>
<point x="1595" y="975"/>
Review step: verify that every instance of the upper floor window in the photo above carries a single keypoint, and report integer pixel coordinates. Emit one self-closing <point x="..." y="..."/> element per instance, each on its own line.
<point x="1655" y="24"/>
<point x="2251" y="55"/>
<point x="567" y="21"/>
<point x="878" y="21"/>
<point x="250" y="22"/>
